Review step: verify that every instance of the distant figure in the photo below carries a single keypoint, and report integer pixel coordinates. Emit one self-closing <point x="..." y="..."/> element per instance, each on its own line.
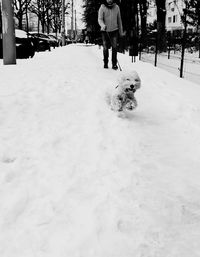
<point x="86" y="39"/>
<point x="109" y="19"/>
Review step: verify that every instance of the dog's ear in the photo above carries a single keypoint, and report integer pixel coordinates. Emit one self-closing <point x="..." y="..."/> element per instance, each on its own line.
<point x="122" y="78"/>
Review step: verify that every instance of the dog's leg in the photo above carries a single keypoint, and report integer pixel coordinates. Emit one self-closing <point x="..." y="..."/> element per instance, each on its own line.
<point x="116" y="103"/>
<point x="131" y="104"/>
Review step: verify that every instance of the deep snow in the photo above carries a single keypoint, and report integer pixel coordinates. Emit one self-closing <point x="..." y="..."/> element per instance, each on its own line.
<point x="76" y="180"/>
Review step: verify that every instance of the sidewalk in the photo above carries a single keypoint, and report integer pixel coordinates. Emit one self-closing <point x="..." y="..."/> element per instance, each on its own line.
<point x="76" y="180"/>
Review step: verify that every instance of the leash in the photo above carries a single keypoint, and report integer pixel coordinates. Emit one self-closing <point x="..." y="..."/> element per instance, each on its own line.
<point x="112" y="46"/>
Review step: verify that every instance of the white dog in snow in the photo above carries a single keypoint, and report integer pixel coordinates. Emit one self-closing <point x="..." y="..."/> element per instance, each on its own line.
<point x="122" y="98"/>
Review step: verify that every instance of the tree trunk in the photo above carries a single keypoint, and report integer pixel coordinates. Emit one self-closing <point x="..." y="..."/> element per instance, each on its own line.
<point x="9" y="47"/>
<point x="161" y="30"/>
<point x="20" y="19"/>
<point x="143" y="17"/>
<point x="27" y="25"/>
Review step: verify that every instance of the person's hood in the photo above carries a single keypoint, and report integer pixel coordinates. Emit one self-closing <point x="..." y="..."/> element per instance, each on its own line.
<point x="109" y="5"/>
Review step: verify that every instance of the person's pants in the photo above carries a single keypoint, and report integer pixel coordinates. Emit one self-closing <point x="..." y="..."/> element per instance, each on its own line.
<point x="110" y="39"/>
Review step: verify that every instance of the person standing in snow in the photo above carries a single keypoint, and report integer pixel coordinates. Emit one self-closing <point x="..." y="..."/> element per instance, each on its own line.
<point x="109" y="19"/>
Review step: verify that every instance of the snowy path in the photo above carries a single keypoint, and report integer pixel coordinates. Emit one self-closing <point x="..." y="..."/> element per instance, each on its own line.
<point x="77" y="181"/>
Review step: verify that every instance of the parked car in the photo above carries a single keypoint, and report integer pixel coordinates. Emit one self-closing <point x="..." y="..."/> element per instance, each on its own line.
<point x="68" y="40"/>
<point x="59" y="37"/>
<point x="24" y="45"/>
<point x="41" y="41"/>
<point x="53" y="40"/>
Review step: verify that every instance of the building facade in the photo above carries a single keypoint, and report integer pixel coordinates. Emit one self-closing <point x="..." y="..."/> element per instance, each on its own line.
<point x="174" y="11"/>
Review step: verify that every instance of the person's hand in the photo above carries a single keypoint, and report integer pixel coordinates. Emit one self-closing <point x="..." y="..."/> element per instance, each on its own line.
<point x="103" y="28"/>
<point x="123" y="34"/>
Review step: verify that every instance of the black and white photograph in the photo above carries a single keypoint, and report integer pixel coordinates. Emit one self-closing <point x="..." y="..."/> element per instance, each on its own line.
<point x="99" y="128"/>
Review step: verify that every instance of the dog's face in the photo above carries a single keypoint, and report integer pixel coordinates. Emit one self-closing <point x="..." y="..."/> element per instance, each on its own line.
<point x="123" y="95"/>
<point x="129" y="82"/>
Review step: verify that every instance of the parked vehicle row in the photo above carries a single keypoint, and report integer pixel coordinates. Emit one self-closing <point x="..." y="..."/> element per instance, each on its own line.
<point x="40" y="41"/>
<point x="50" y="40"/>
<point x="29" y="43"/>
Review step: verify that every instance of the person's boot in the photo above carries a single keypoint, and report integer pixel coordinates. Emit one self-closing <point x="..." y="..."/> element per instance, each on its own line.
<point x="105" y="65"/>
<point x="114" y="67"/>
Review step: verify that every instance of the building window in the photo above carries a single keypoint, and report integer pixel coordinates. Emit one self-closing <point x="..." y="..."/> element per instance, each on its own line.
<point x="175" y="18"/>
<point x="169" y="19"/>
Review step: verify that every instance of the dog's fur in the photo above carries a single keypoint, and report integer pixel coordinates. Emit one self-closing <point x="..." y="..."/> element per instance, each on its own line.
<point x="123" y="97"/>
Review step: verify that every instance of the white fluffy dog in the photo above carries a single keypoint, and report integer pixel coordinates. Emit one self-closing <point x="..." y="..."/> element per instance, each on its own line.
<point x="122" y="97"/>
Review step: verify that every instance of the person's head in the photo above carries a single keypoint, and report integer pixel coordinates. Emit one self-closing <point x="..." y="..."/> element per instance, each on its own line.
<point x="109" y="2"/>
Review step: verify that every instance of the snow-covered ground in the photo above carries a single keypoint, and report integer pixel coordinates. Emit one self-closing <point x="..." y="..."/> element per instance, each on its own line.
<point x="76" y="180"/>
<point x="191" y="66"/>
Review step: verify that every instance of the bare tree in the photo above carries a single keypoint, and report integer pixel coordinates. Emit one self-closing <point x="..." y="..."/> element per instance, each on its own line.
<point x="48" y="13"/>
<point x="20" y="9"/>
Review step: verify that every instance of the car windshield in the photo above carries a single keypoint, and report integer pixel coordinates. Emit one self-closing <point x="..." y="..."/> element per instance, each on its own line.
<point x="52" y="36"/>
<point x="35" y="34"/>
<point x="42" y="35"/>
